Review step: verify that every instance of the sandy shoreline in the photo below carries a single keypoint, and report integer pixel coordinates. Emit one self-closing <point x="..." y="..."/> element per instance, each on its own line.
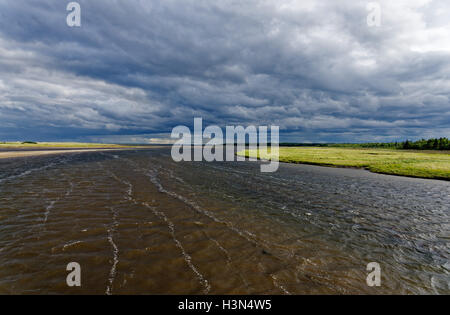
<point x="23" y="153"/>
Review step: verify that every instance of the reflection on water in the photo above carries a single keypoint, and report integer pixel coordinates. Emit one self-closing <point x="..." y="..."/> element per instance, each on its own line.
<point x="137" y="222"/>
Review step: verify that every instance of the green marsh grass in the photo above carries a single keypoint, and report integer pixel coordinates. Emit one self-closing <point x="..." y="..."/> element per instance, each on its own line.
<point x="423" y="164"/>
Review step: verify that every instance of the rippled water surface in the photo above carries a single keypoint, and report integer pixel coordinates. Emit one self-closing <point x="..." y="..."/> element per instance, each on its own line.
<point x="137" y="222"/>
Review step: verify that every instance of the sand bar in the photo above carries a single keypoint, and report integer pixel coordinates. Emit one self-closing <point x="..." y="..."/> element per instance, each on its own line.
<point x="23" y="153"/>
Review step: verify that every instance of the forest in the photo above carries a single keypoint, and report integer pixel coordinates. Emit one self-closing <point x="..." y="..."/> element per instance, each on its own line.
<point x="423" y="144"/>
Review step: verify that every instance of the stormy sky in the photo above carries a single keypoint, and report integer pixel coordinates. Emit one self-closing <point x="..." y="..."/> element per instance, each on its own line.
<point x="135" y="69"/>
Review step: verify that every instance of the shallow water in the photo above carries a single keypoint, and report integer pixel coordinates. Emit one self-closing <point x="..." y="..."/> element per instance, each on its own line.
<point x="137" y="222"/>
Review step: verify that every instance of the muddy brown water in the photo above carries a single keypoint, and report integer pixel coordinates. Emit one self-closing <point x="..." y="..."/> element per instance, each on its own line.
<point x="137" y="222"/>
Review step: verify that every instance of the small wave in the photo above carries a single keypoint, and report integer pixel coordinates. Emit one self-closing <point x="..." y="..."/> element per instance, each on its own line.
<point x="186" y="256"/>
<point x="245" y="234"/>
<point x="52" y="203"/>
<point x="48" y="209"/>
<point x="115" y="250"/>
<point x="27" y="172"/>
<point x="112" y="272"/>
<point x="71" y="244"/>
<point x="171" y="227"/>
<point x="36" y="169"/>
<point x="129" y="191"/>
<point x="70" y="190"/>
<point x="278" y="285"/>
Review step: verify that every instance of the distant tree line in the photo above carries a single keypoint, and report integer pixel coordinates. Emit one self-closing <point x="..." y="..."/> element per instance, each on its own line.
<point x="423" y="144"/>
<point x="430" y="144"/>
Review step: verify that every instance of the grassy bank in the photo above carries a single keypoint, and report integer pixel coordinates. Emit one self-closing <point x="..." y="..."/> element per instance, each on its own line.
<point x="424" y="164"/>
<point x="59" y="145"/>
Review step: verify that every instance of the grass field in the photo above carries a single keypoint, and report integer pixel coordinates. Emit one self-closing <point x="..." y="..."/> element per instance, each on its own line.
<point x="61" y="145"/>
<point x="424" y="164"/>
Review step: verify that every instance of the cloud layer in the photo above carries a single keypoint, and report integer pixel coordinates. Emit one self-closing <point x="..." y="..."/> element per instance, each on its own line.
<point x="136" y="69"/>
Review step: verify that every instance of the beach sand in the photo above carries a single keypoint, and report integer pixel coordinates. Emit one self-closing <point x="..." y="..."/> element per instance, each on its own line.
<point x="23" y="153"/>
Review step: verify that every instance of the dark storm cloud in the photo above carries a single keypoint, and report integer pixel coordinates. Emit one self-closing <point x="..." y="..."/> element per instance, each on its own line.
<point x="141" y="67"/>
